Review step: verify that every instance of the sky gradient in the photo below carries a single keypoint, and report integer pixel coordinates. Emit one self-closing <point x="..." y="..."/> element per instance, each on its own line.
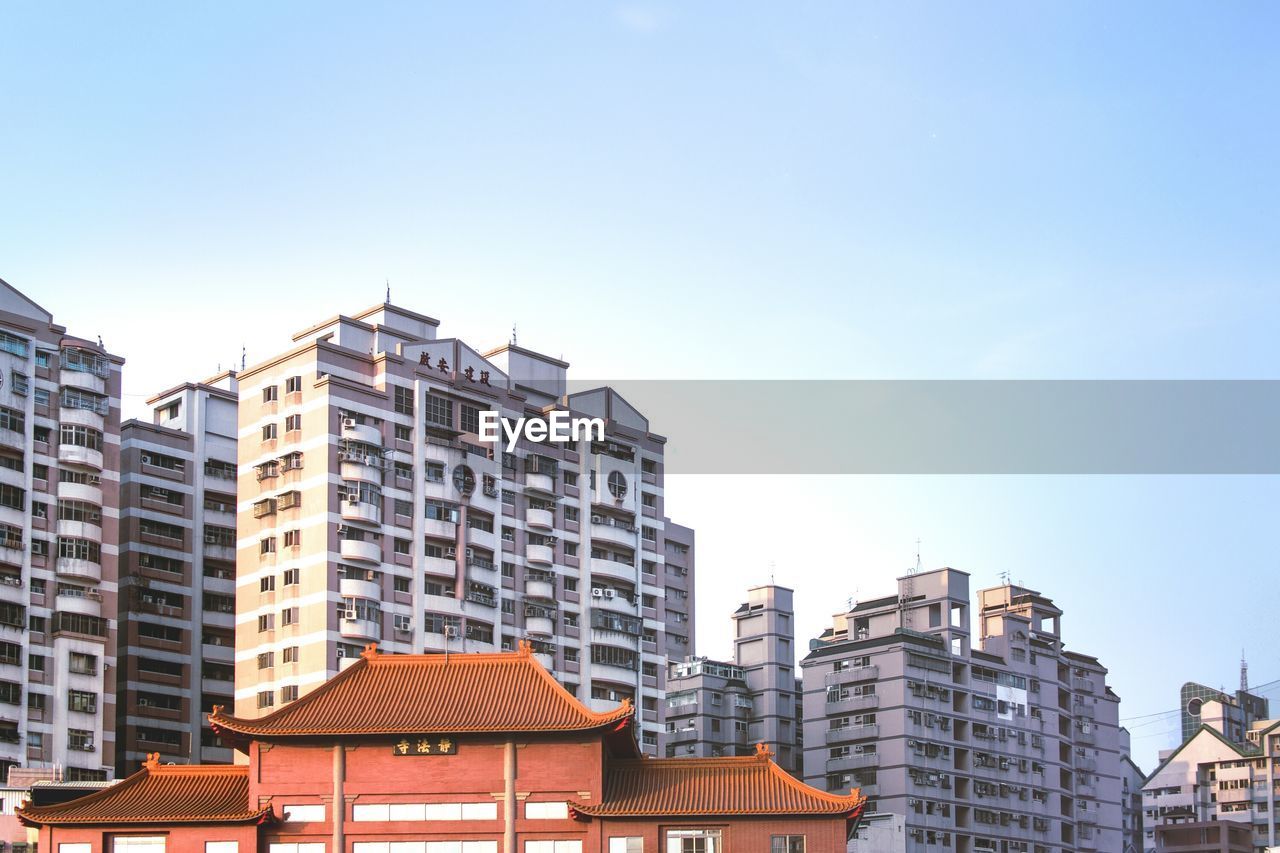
<point x="726" y="190"/>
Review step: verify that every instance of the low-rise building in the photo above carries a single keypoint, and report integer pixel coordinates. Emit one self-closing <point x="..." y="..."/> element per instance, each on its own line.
<point x="467" y="753"/>
<point x="1211" y="778"/>
<point x="717" y="708"/>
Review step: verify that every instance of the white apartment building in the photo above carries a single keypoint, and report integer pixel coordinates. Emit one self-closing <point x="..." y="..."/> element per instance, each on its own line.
<point x="59" y="514"/>
<point x="370" y="510"/>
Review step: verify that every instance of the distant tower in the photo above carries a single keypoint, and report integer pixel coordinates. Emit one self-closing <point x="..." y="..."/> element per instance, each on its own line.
<point x="1244" y="673"/>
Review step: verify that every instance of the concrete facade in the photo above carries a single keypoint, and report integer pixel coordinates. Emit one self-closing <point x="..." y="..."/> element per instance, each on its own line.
<point x="1009" y="745"/>
<point x="177" y="574"/>
<point x="371" y="510"/>
<point x="1210" y="778"/>
<point x="59" y="517"/>
<point x="719" y="708"/>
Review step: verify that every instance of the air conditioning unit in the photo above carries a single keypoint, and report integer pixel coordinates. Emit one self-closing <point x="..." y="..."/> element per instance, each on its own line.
<point x="349" y="614"/>
<point x="342" y="652"/>
<point x="608" y="593"/>
<point x="348" y="423"/>
<point x="470" y="553"/>
<point x="451" y="632"/>
<point x="597" y="519"/>
<point x="404" y="623"/>
<point x="450" y="553"/>
<point x="597" y="592"/>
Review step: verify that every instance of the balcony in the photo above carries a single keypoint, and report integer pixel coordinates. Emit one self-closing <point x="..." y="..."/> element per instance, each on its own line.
<point x="540" y="589"/>
<point x="445" y="567"/>
<point x="612" y="569"/>
<point x="1089" y="792"/>
<point x="365" y="513"/>
<point x="1088" y="737"/>
<point x="83" y="417"/>
<point x="547" y="661"/>
<point x="1083" y="684"/>
<point x="91" y="530"/>
<point x="79" y="569"/>
<point x="853" y="762"/>
<point x="364" y="433"/>
<point x="359" y="588"/>
<point x="1084" y="763"/>
<point x="851" y="733"/>
<point x="539" y="554"/>
<point x="440" y="528"/>
<point x="80" y="492"/>
<point x="540" y="483"/>
<point x="360" y="549"/>
<point x="1083" y="710"/>
<point x="74" y="454"/>
<point x="617" y="533"/>
<point x="543" y="519"/>
<point x="82" y="379"/>
<point x="540" y="625"/>
<point x="616" y="674"/>
<point x="88" y="603"/>
<point x="853" y="703"/>
<point x="13" y="438"/>
<point x="481" y="538"/>
<point x="360" y="629"/>
<point x="851" y="675"/>
<point x="355" y="468"/>
<point x="682" y="735"/>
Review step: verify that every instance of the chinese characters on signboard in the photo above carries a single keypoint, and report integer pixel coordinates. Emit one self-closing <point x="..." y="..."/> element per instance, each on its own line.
<point x="424" y="745"/>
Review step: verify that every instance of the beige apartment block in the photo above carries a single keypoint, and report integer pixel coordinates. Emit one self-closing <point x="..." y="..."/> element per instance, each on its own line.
<point x="59" y="519"/>
<point x="1212" y="779"/>
<point x="371" y="511"/>
<point x="177" y="574"/>
<point x="1011" y="745"/>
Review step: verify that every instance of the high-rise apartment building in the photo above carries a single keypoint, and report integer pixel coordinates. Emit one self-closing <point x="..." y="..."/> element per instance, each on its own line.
<point x="1009" y="745"/>
<point x="1213" y="781"/>
<point x="373" y="510"/>
<point x="59" y="512"/>
<point x="724" y="708"/>
<point x="177" y="574"/>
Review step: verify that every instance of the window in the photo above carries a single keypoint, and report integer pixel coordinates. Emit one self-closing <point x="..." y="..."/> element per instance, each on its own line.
<point x="553" y="847"/>
<point x="787" y="844"/>
<point x="12" y="419"/>
<point x="267" y="583"/>
<point x="293" y="423"/>
<point x="82" y="664"/>
<point x="82" y="701"/>
<point x="268" y="432"/>
<point x="267" y="699"/>
<point x="470" y="417"/>
<point x="302" y="847"/>
<point x="266" y="622"/>
<point x="293" y="385"/>
<point x="266" y="660"/>
<point x="303" y="814"/>
<point x="291" y="577"/>
<point x="18" y="346"/>
<point x="439" y="410"/>
<point x="13" y="497"/>
<point x="138" y="844"/>
<point x="270" y="394"/>
<point x="290" y="654"/>
<point x="80" y="739"/>
<point x="403" y="401"/>
<point x="629" y="844"/>
<point x="694" y="841"/>
<point x="617" y="485"/>
<point x="289" y="693"/>
<point x="289" y="616"/>
<point x="546" y="811"/>
<point x="75" y="848"/>
<point x="404" y="433"/>
<point x="222" y="847"/>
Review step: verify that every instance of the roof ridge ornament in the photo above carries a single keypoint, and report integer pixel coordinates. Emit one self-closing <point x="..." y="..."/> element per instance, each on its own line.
<point x="763" y="752"/>
<point x="370" y="651"/>
<point x="152" y="762"/>
<point x="524" y="648"/>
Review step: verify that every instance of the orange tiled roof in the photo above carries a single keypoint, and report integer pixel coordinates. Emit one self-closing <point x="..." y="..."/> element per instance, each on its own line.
<point x="709" y="787"/>
<point x="405" y="694"/>
<point x="160" y="794"/>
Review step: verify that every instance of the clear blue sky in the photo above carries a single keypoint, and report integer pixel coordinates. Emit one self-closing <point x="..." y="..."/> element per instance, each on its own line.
<point x="885" y="190"/>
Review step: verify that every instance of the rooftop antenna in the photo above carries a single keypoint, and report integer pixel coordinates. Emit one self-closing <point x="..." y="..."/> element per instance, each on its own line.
<point x="244" y="353"/>
<point x="1244" y="673"/>
<point x="916" y="570"/>
<point x="513" y="334"/>
<point x="772" y="566"/>
<point x="908" y="591"/>
<point x="1004" y="578"/>
<point x="388" y="302"/>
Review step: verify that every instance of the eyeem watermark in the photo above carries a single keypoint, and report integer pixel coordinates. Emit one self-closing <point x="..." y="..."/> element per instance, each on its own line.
<point x="556" y="427"/>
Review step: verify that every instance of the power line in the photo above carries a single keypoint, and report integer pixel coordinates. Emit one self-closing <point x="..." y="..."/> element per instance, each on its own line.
<point x="1269" y="686"/>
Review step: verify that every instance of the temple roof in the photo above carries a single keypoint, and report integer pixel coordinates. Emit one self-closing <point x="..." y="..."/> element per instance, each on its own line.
<point x="712" y="787"/>
<point x="160" y="794"/>
<point x="413" y="694"/>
